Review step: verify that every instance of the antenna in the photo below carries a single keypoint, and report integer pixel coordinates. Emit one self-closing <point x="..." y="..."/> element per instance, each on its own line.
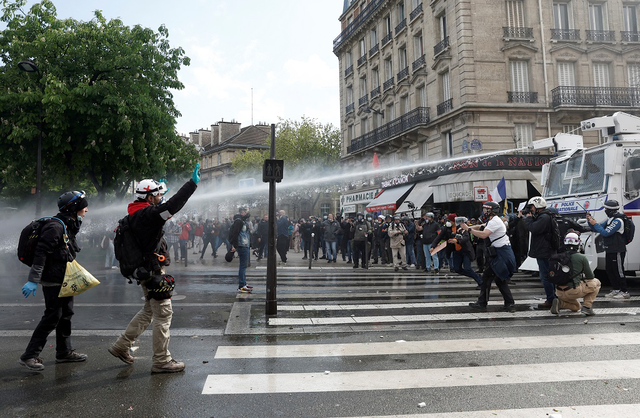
<point x="252" y="105"/>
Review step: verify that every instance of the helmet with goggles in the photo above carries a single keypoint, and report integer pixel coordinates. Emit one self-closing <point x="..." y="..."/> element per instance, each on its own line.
<point x="72" y="202"/>
<point x="151" y="187"/>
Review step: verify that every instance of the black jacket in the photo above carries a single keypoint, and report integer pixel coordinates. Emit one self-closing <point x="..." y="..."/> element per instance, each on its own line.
<point x="263" y="230"/>
<point x="540" y="228"/>
<point x="51" y="254"/>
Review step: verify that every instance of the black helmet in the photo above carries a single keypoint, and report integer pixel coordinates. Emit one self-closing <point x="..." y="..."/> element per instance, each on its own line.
<point x="612" y="205"/>
<point x="493" y="207"/>
<point x="72" y="202"/>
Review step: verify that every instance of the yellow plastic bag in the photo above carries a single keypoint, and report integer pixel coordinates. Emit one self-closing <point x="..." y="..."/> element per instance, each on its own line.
<point x="76" y="280"/>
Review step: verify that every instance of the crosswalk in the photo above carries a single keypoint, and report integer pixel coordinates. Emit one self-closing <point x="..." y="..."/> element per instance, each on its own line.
<point x="410" y="345"/>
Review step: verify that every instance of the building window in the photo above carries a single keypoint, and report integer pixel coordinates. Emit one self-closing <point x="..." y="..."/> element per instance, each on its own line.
<point x="446" y="86"/>
<point x="401" y="11"/>
<point x="388" y="69"/>
<point x="363" y="87"/>
<point x="375" y="78"/>
<point x="347" y="60"/>
<point x="374" y="37"/>
<point x="387" y="25"/>
<point x="601" y="75"/>
<point x="363" y="48"/>
<point x="421" y="96"/>
<point x="350" y="133"/>
<point x="562" y="15"/>
<point x="424" y="151"/>
<point x="349" y="95"/>
<point x="566" y="74"/>
<point x="570" y="129"/>
<point x="515" y="13"/>
<point x="630" y="17"/>
<point x="449" y="141"/>
<point x="523" y="134"/>
<point x="520" y="76"/>
<point x="402" y="56"/>
<point x="404" y="105"/>
<point x="418" y="47"/>
<point x="633" y="71"/>
<point x="598" y="17"/>
<point x="325" y="208"/>
<point x="443" y="27"/>
<point x="219" y="159"/>
<point x="364" y="125"/>
<point x="391" y="112"/>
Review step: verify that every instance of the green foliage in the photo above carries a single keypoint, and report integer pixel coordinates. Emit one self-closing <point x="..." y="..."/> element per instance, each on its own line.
<point x="102" y="96"/>
<point x="304" y="143"/>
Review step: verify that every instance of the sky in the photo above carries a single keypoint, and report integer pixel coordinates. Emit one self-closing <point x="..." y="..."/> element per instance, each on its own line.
<point x="282" y="49"/>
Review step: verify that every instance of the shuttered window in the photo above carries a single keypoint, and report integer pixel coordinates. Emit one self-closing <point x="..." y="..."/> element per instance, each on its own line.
<point x="630" y="18"/>
<point x="601" y="75"/>
<point x="598" y="17"/>
<point x="561" y="16"/>
<point x="566" y="74"/>
<point x="519" y="76"/>
<point x="446" y="87"/>
<point x="524" y="134"/>
<point x="633" y="71"/>
<point x="515" y="13"/>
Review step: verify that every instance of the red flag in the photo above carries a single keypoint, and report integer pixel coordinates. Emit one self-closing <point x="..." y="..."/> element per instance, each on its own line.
<point x="375" y="163"/>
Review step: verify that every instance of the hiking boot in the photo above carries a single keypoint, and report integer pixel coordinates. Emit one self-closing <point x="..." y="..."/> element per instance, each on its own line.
<point x="587" y="311"/>
<point x="476" y="305"/>
<point x="555" y="306"/>
<point x="123" y="355"/>
<point x="34" y="364"/>
<point x="171" y="367"/>
<point x="71" y="357"/>
<point x="611" y="294"/>
<point x="622" y="295"/>
<point x="244" y="289"/>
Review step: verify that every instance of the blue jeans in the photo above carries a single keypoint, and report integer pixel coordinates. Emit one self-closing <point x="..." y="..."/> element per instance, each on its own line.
<point x="462" y="265"/>
<point x="549" y="288"/>
<point x="427" y="257"/>
<point x="332" y="250"/>
<point x="243" y="254"/>
<point x="411" y="255"/>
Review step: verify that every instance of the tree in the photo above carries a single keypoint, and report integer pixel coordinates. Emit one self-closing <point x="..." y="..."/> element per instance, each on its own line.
<point x="102" y="94"/>
<point x="304" y="143"/>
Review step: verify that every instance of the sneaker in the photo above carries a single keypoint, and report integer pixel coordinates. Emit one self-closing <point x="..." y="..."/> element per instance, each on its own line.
<point x="509" y="308"/>
<point x="476" y="305"/>
<point x="71" y="357"/>
<point x="478" y="287"/>
<point x="355" y="266"/>
<point x="545" y="305"/>
<point x="555" y="306"/>
<point x="328" y="261"/>
<point x="33" y="364"/>
<point x="170" y="367"/>
<point x="611" y="294"/>
<point x="412" y="265"/>
<point x="334" y="260"/>
<point x="244" y="289"/>
<point x="436" y="271"/>
<point x="396" y="268"/>
<point x="622" y="295"/>
<point x="587" y="311"/>
<point x="249" y="287"/>
<point x="405" y="268"/>
<point x="125" y="356"/>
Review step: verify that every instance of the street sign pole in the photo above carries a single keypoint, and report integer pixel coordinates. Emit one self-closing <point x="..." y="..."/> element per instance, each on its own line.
<point x="271" y="307"/>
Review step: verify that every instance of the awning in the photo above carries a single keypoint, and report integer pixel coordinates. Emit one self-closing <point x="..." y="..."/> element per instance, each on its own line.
<point x="418" y="196"/>
<point x="459" y="187"/>
<point x="389" y="198"/>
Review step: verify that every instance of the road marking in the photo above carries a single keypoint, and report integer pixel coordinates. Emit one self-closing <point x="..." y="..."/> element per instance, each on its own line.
<point x="425" y="347"/>
<point x="178" y="332"/>
<point x="245" y="384"/>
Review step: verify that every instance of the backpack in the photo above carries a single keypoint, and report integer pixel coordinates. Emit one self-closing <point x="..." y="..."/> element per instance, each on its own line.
<point x="30" y="236"/>
<point x="127" y="249"/>
<point x="555" y="237"/>
<point x="560" y="268"/>
<point x="629" y="228"/>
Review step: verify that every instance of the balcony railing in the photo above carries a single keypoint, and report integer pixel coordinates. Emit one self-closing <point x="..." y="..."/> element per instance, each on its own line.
<point x="350" y="108"/>
<point x="375" y="92"/>
<point x="627" y="36"/>
<point x="416" y="12"/>
<point x="387" y="84"/>
<point x="404" y="73"/>
<point x="362" y="60"/>
<point x="356" y="23"/>
<point x="401" y="26"/>
<point x="565" y="34"/>
<point x="445" y="107"/>
<point x="522" y="97"/>
<point x="348" y="71"/>
<point x="601" y="36"/>
<point x="363" y="100"/>
<point x="595" y="96"/>
<point x="419" y="63"/>
<point x="406" y="122"/>
<point x="441" y="46"/>
<point x="517" y="33"/>
<point x="387" y="38"/>
<point x="374" y="50"/>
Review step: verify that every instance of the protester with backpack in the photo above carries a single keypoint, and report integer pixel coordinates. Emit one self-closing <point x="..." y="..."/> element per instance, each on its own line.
<point x="56" y="246"/>
<point x="147" y="216"/>
<point x="544" y="242"/>
<point x="615" y="247"/>
<point x="579" y="282"/>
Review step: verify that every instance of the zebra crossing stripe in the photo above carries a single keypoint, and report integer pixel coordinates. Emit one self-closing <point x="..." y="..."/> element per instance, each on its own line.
<point x="425" y="347"/>
<point x="244" y="384"/>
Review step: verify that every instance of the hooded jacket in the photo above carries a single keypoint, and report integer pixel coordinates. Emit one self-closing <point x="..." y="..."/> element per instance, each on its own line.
<point x="540" y="227"/>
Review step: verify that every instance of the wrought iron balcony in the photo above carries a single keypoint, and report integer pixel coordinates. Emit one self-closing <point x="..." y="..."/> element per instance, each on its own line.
<point x="386" y="132"/>
<point x="388" y="84"/>
<point x="627" y="36"/>
<point x="445" y="107"/>
<point x="401" y="26"/>
<point x="601" y="36"/>
<point x="441" y="46"/>
<point x="565" y="34"/>
<point x="362" y="60"/>
<point x="420" y="62"/>
<point x="375" y="92"/>
<point x="387" y="38"/>
<point x="416" y="12"/>
<point x="595" y="96"/>
<point x="522" y="97"/>
<point x="374" y="50"/>
<point x="348" y="71"/>
<point x="350" y="108"/>
<point x="363" y="100"/>
<point x="352" y="27"/>
<point x="404" y="73"/>
<point x="517" y="33"/>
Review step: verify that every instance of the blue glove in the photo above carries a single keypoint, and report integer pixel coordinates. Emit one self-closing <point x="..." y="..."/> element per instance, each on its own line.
<point x="28" y="288"/>
<point x="196" y="174"/>
<point x="163" y="180"/>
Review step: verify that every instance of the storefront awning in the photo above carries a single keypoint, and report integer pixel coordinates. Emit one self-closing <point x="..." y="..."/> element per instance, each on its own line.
<point x="418" y="196"/>
<point x="459" y="187"/>
<point x="389" y="198"/>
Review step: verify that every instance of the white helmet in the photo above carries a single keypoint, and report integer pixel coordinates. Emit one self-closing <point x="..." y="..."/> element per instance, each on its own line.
<point x="148" y="187"/>
<point x="572" y="239"/>
<point x="538" y="202"/>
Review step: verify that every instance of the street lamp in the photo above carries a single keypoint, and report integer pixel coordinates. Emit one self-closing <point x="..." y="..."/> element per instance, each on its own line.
<point x="31" y="67"/>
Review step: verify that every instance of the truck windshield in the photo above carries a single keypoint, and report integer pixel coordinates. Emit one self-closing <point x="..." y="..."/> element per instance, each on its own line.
<point x="583" y="173"/>
<point x="632" y="180"/>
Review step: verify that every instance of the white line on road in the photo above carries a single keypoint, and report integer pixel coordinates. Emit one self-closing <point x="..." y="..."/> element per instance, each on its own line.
<point x="425" y="347"/>
<point x="245" y="384"/>
<point x="178" y="332"/>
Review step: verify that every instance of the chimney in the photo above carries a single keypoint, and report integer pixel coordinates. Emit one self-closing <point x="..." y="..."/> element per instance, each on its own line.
<point x="215" y="135"/>
<point x="204" y="136"/>
<point x="194" y="137"/>
<point x="228" y="129"/>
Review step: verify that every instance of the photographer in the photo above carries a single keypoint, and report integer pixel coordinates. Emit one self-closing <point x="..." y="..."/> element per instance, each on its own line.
<point x="361" y="230"/>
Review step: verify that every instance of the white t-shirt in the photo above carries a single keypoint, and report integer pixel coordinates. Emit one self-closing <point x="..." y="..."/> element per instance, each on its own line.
<point x="498" y="229"/>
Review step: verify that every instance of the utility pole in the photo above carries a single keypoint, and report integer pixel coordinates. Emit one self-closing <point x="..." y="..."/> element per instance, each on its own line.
<point x="271" y="307"/>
